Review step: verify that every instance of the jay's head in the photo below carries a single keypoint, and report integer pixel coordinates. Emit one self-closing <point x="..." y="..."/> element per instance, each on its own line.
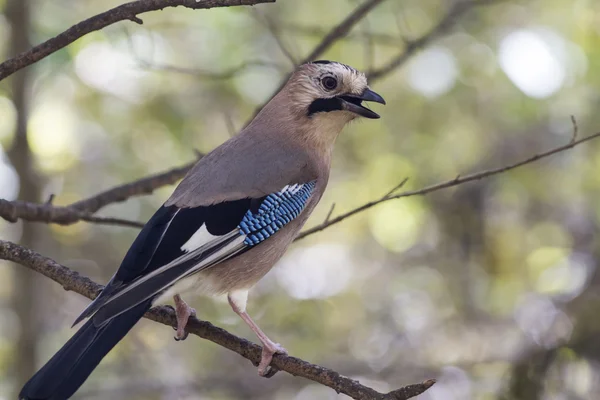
<point x="328" y="90"/>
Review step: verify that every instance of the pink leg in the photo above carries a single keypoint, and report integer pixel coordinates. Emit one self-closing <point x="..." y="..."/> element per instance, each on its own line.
<point x="269" y="347"/>
<point x="184" y="312"/>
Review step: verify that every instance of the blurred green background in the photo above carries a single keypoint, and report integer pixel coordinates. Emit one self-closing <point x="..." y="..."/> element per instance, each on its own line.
<point x="490" y="287"/>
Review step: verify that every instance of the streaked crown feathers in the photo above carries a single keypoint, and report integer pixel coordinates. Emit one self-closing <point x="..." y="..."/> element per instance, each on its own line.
<point x="308" y="80"/>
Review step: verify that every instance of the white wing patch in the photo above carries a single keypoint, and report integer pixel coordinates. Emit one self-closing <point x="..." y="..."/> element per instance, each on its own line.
<point x="292" y="189"/>
<point x="199" y="238"/>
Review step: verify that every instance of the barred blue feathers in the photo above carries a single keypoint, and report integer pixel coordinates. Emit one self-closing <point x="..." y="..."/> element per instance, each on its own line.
<point x="276" y="210"/>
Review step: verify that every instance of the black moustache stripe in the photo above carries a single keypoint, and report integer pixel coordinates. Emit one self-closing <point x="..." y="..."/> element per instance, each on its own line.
<point x="324" y="105"/>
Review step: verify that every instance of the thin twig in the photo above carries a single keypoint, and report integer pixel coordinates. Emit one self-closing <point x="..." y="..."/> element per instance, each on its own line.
<point x="139" y="187"/>
<point x="379" y="38"/>
<point x="446" y="184"/>
<point x="73" y="281"/>
<point x="329" y="213"/>
<point x="396" y="188"/>
<point x="276" y="35"/>
<point x="127" y="11"/>
<point x="342" y="29"/>
<point x="231" y="130"/>
<point x="111" y="221"/>
<point x="223" y="74"/>
<point x="369" y="46"/>
<point x="575" y="129"/>
<point x="458" y="10"/>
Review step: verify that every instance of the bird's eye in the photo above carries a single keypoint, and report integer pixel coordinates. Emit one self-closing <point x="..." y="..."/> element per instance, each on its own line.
<point x="329" y="82"/>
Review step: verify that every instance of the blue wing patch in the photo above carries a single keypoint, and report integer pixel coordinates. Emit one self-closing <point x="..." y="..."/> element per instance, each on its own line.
<point x="276" y="210"/>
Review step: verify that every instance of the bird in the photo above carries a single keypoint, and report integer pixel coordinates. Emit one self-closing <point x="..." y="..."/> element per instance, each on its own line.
<point x="225" y="225"/>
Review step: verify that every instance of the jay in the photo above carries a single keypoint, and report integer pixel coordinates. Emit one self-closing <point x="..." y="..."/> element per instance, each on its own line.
<point x="227" y="223"/>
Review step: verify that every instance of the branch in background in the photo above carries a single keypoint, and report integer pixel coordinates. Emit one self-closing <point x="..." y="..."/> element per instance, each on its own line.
<point x="456" y="12"/>
<point x="442" y="185"/>
<point x="128" y="11"/>
<point x="73" y="281"/>
<point x="277" y="37"/>
<point x="83" y="210"/>
<point x="342" y="29"/>
<point x="137" y="188"/>
<point x="223" y="74"/>
<point x="12" y="211"/>
<point x="379" y="38"/>
<point x="19" y="18"/>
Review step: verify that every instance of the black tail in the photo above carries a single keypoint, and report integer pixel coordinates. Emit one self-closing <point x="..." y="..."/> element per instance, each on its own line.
<point x="69" y="368"/>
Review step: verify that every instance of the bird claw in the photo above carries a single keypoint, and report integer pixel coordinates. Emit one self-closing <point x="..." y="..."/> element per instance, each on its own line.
<point x="268" y="351"/>
<point x="181" y="334"/>
<point x="266" y="371"/>
<point x="182" y="337"/>
<point x="270" y="372"/>
<point x="184" y="312"/>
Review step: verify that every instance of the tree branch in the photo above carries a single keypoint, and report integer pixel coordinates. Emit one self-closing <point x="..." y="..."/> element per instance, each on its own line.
<point x="136" y="188"/>
<point x="342" y="29"/>
<point x="310" y="30"/>
<point x="442" y="185"/>
<point x="277" y="37"/>
<point x="12" y="211"/>
<point x="71" y="280"/>
<point x="223" y="74"/>
<point x="127" y="11"/>
<point x="456" y="12"/>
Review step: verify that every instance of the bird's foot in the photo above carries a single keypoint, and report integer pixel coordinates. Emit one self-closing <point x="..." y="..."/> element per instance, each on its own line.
<point x="184" y="312"/>
<point x="269" y="349"/>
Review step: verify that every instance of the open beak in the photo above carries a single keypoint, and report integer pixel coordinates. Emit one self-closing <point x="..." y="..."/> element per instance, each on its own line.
<point x="353" y="103"/>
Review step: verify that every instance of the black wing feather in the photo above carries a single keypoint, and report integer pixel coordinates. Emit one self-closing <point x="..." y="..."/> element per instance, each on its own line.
<point x="225" y="217"/>
<point x="143" y="251"/>
<point x="140" y="255"/>
<point x="184" y="224"/>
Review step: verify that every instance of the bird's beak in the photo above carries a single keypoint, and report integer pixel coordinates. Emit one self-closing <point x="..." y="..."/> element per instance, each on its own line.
<point x="353" y="103"/>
